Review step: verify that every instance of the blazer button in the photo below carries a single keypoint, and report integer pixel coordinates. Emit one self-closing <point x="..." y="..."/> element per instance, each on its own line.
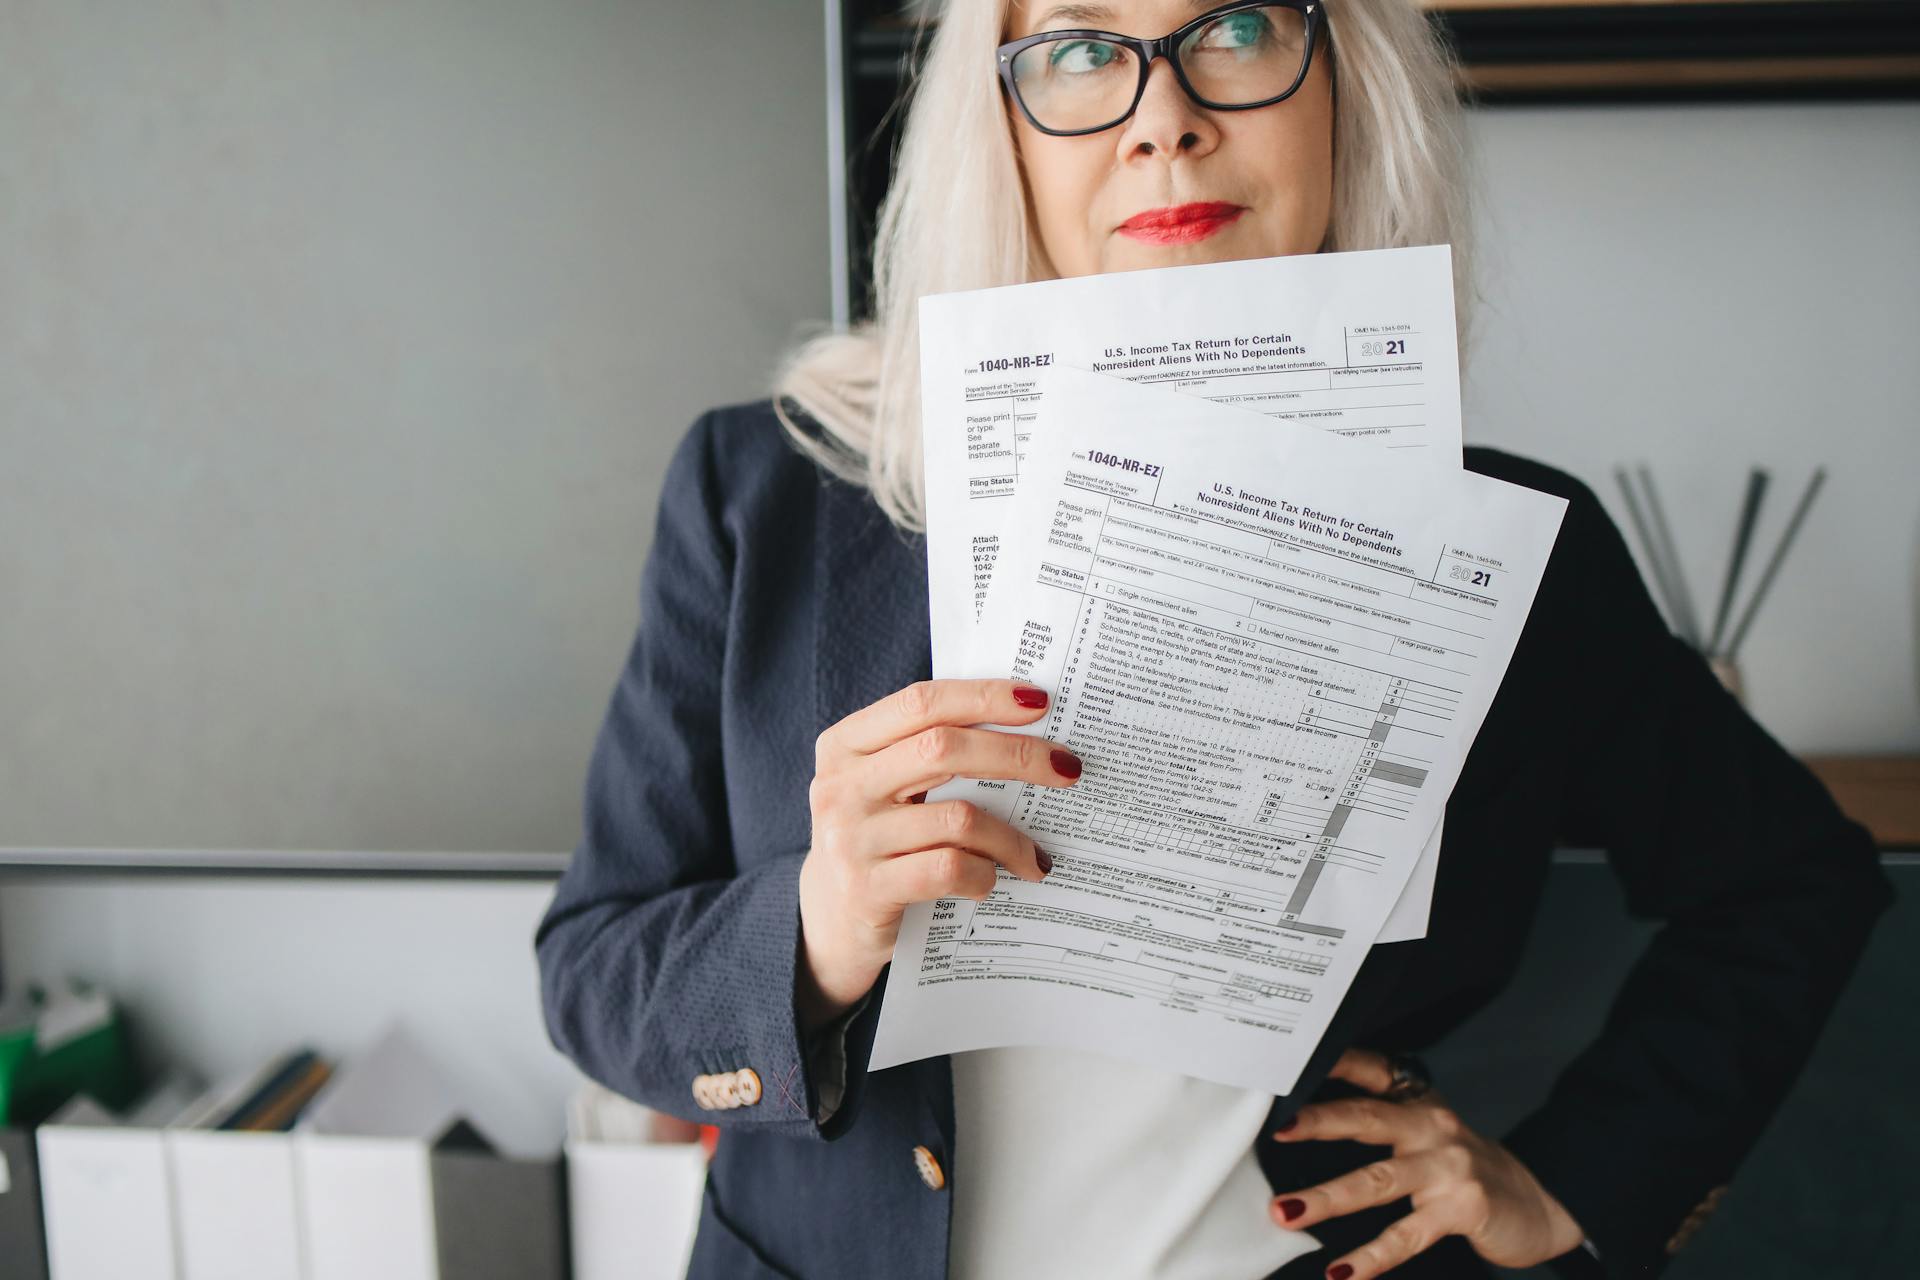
<point x="726" y="1090"/>
<point x="1694" y="1219"/>
<point x="747" y="1086"/>
<point x="929" y="1168"/>
<point x="703" y="1092"/>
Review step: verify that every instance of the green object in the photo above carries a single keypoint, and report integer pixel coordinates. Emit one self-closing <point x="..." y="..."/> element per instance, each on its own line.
<point x="54" y="1045"/>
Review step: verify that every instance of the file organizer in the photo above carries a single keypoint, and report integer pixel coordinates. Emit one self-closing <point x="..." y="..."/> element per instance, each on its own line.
<point x="634" y="1207"/>
<point x="23" y="1240"/>
<point x="105" y="1192"/>
<point x="497" y="1217"/>
<point x="381" y="1178"/>
<point x="236" y="1205"/>
<point x="58" y="1042"/>
<point x="361" y="1162"/>
<point x="236" y="1202"/>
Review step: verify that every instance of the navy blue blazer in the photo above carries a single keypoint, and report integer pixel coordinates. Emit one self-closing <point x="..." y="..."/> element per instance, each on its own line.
<point x="775" y="600"/>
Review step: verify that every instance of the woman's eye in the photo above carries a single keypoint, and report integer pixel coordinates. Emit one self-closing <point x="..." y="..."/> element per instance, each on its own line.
<point x="1079" y="56"/>
<point x="1235" y="31"/>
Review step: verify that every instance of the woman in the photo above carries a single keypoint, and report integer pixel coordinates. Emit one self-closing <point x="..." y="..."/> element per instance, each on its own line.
<point x="718" y="946"/>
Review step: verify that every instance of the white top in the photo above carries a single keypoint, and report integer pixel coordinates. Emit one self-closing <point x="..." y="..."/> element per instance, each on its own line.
<point x="1071" y="1164"/>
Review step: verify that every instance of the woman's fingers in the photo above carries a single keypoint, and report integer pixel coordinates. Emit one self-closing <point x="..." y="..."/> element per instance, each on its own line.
<point x="904" y="829"/>
<point x="927" y="703"/>
<point x="946" y="872"/>
<point x="855" y="881"/>
<point x="934" y="756"/>
<point x="1381" y="1182"/>
<point x="1459" y="1183"/>
<point x="1403" y="1238"/>
<point x="1372" y="1120"/>
<point x="1367" y="1068"/>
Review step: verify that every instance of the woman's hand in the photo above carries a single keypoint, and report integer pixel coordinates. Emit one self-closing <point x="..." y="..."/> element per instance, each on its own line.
<point x="1461" y="1183"/>
<point x="875" y="850"/>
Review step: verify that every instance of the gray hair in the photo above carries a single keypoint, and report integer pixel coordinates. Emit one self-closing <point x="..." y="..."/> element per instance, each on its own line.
<point x="956" y="217"/>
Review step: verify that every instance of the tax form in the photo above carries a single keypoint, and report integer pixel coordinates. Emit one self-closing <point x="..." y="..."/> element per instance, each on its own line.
<point x="1361" y="344"/>
<point x="1272" y="655"/>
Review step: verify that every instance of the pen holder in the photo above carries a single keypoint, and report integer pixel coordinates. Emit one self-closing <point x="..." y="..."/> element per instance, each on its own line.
<point x="1727" y="672"/>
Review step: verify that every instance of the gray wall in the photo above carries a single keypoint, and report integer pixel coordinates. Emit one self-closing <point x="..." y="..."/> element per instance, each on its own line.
<point x="341" y="348"/>
<point x="1707" y="288"/>
<point x="217" y="975"/>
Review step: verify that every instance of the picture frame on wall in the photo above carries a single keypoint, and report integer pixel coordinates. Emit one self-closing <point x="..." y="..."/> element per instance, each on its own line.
<point x="1669" y="50"/>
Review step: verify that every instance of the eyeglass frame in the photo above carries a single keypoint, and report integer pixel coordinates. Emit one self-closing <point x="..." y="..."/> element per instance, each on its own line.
<point x="1146" y="50"/>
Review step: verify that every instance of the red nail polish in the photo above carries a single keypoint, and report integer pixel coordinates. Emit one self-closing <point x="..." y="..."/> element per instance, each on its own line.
<point x="1339" y="1271"/>
<point x="1066" y="764"/>
<point x="1287" y="1125"/>
<point x="1292" y="1207"/>
<point x="1045" y="859"/>
<point x="1028" y="696"/>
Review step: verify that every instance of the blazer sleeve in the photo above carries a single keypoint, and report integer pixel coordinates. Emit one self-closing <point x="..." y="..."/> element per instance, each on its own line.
<point x="1767" y="893"/>
<point x="660" y="959"/>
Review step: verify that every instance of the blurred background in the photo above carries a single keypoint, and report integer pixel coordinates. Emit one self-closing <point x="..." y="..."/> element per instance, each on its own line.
<point x="342" y="348"/>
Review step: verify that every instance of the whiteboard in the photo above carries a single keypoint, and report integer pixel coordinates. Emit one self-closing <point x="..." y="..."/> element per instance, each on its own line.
<point x="341" y="350"/>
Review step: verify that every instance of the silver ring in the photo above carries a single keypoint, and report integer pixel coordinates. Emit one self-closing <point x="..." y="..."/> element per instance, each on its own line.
<point x="1411" y="1079"/>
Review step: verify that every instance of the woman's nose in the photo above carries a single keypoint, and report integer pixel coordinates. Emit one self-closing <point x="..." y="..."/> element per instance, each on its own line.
<point x="1167" y="121"/>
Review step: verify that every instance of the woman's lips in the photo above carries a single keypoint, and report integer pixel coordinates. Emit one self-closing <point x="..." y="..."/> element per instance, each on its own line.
<point x="1181" y="223"/>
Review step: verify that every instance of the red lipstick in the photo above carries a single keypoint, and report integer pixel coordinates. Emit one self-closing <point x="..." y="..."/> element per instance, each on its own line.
<point x="1180" y="223"/>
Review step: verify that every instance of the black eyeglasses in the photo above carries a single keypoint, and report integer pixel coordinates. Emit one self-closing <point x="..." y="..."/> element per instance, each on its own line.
<point x="1251" y="53"/>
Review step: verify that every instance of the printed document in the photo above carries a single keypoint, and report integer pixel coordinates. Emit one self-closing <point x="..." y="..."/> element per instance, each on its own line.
<point x="1360" y="344"/>
<point x="1272" y="655"/>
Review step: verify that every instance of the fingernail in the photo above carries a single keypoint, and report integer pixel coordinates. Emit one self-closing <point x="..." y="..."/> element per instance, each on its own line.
<point x="1288" y="1123"/>
<point x="1045" y="859"/>
<point x="1339" y="1271"/>
<point x="1066" y="764"/>
<point x="1292" y="1207"/>
<point x="1028" y="696"/>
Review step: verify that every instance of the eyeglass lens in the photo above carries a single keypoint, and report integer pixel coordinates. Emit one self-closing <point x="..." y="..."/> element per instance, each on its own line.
<point x="1242" y="57"/>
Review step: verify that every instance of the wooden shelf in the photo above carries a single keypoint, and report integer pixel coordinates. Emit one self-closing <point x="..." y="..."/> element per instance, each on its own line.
<point x="1880" y="792"/>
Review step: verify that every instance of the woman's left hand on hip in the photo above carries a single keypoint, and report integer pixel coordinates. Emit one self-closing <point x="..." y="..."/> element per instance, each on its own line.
<point x="1461" y="1183"/>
